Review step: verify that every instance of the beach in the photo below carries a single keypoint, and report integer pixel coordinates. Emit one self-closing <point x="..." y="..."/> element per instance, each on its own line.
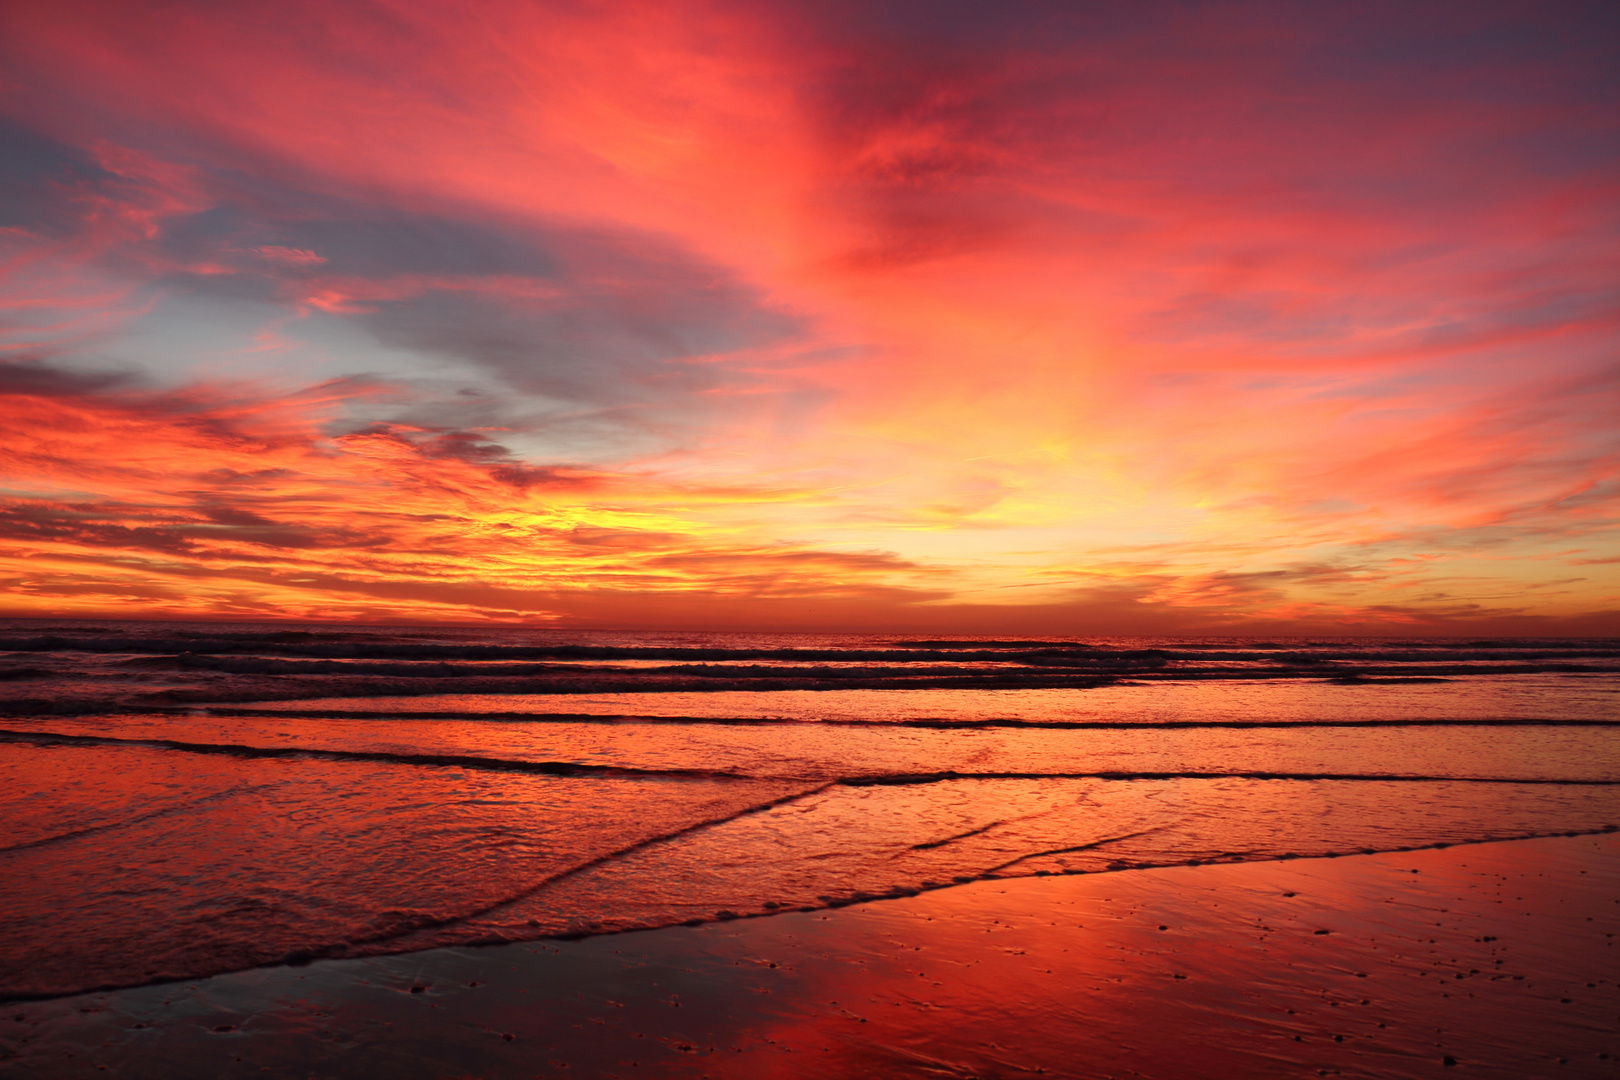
<point x="339" y="852"/>
<point x="1486" y="960"/>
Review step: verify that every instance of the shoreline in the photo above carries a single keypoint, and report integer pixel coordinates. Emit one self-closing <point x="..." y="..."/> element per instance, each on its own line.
<point x="1497" y="955"/>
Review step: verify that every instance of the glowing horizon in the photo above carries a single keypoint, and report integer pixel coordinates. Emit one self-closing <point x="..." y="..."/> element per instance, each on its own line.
<point x="1226" y="318"/>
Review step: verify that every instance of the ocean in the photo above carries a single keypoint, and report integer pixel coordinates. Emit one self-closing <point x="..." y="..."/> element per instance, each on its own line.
<point x="182" y="800"/>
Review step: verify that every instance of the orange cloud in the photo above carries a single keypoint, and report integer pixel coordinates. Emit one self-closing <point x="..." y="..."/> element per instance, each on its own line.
<point x="207" y="506"/>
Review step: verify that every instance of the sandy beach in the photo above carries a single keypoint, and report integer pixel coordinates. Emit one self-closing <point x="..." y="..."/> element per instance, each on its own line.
<point x="1494" y="959"/>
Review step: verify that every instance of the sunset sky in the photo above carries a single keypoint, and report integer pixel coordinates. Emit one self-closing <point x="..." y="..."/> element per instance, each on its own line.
<point x="1162" y="317"/>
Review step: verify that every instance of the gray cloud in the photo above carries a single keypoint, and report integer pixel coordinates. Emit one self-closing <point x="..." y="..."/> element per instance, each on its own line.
<point x="594" y="319"/>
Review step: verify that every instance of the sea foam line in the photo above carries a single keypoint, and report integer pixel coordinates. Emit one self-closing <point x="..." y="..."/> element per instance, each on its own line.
<point x="575" y="769"/>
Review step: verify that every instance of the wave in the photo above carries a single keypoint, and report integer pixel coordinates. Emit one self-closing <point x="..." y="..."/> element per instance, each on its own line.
<point x="459" y="761"/>
<point x="613" y="856"/>
<point x="391" y="940"/>
<point x="1054" y="653"/>
<point x="726" y="680"/>
<point x="906" y="779"/>
<point x="373" y="944"/>
<point x="1042" y="668"/>
<point x="919" y="722"/>
<point x="568" y="768"/>
<point x="185" y="807"/>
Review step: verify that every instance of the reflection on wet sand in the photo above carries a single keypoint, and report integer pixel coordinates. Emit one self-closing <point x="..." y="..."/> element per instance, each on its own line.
<point x="1495" y="958"/>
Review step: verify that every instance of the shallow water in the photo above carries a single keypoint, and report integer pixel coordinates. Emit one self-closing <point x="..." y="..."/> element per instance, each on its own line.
<point x="173" y="840"/>
<point x="1499" y="957"/>
<point x="1473" y="697"/>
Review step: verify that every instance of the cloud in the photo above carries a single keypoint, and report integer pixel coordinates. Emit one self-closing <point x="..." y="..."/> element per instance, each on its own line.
<point x="1233" y="311"/>
<point x="594" y="317"/>
<point x="220" y="506"/>
<point x="45" y="183"/>
<point x="36" y="378"/>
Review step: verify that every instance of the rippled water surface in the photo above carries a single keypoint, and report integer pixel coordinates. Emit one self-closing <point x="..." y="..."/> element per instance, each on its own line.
<point x="179" y="800"/>
<point x="1467" y="697"/>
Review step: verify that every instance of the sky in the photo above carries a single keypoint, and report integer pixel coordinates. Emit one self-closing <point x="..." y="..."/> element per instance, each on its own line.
<point x="945" y="316"/>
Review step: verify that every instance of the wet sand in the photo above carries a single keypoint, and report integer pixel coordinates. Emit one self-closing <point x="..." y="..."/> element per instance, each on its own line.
<point x="1495" y="959"/>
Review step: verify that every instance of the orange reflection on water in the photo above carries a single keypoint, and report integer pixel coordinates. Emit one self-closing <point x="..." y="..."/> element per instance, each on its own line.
<point x="1498" y="956"/>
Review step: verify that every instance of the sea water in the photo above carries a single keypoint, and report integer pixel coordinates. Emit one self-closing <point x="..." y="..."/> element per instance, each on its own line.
<point x="178" y="800"/>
